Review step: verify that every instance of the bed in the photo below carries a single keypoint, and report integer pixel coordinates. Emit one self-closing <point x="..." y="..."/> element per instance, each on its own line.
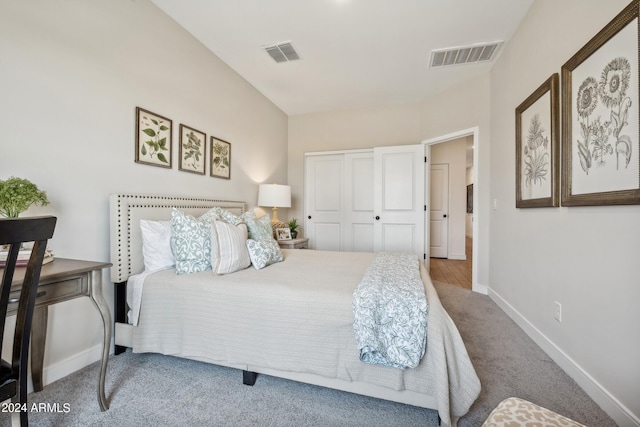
<point x="292" y="319"/>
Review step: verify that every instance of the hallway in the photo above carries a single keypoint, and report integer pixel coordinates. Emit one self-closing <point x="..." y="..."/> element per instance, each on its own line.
<point x="454" y="272"/>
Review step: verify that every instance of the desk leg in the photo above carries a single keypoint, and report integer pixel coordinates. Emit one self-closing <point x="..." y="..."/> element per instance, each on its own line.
<point x="95" y="292"/>
<point x="38" y="341"/>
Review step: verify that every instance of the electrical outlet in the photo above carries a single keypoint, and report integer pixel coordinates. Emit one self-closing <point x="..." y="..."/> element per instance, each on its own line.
<point x="557" y="311"/>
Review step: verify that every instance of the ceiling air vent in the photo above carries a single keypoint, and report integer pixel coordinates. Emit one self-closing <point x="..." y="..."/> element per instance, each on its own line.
<point x="464" y="54"/>
<point x="282" y="52"/>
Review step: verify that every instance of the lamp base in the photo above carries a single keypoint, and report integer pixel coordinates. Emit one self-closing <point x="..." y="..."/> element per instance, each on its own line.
<point x="275" y="222"/>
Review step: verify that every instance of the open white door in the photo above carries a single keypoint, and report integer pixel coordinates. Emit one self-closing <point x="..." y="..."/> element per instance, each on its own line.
<point x="399" y="209"/>
<point x="439" y="211"/>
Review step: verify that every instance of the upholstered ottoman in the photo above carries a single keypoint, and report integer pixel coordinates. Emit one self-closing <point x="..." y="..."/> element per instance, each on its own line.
<point x="515" y="412"/>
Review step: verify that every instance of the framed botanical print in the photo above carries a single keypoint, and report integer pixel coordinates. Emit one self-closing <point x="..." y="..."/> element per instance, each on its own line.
<point x="601" y="117"/>
<point x="193" y="148"/>
<point x="153" y="139"/>
<point x="538" y="147"/>
<point x="220" y="158"/>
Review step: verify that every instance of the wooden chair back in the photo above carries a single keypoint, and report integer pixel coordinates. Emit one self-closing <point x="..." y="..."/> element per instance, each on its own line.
<point x="13" y="233"/>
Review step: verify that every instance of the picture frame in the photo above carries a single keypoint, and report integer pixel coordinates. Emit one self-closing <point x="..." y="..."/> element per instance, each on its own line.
<point x="601" y="117"/>
<point x="153" y="139"/>
<point x="193" y="150"/>
<point x="538" y="147"/>
<point x="220" y="162"/>
<point x="283" y="233"/>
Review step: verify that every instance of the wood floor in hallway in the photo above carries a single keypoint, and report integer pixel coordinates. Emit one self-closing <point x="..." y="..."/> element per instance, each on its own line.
<point x="454" y="272"/>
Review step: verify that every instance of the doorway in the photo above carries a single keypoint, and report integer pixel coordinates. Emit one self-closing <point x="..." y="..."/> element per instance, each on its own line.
<point x="459" y="267"/>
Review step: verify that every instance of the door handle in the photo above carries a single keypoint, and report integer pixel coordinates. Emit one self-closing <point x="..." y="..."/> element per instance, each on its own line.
<point x="444" y="216"/>
<point x="309" y="217"/>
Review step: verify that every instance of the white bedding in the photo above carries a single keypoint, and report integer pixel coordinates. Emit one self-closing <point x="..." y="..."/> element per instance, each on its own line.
<point x="296" y="316"/>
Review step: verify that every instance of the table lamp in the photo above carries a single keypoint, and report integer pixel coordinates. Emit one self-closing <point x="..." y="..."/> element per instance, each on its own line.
<point x="275" y="196"/>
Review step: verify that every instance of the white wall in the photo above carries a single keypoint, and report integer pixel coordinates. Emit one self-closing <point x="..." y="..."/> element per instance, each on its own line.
<point x="71" y="75"/>
<point x="586" y="258"/>
<point x="453" y="153"/>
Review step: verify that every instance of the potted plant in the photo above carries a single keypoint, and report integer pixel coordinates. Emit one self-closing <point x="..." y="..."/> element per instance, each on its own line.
<point x="17" y="195"/>
<point x="293" y="227"/>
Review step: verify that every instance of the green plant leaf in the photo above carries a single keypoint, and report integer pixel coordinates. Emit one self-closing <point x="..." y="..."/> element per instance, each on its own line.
<point x="149" y="132"/>
<point x="162" y="158"/>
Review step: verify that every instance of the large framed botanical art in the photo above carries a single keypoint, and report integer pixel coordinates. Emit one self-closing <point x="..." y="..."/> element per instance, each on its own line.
<point x="538" y="147"/>
<point x="601" y="117"/>
<point x="220" y="158"/>
<point x="153" y="139"/>
<point x="193" y="148"/>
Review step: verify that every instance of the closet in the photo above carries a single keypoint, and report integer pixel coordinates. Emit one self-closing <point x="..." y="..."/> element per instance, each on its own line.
<point x="366" y="200"/>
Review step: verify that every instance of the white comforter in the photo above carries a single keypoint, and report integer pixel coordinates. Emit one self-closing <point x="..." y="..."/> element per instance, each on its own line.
<point x="297" y="316"/>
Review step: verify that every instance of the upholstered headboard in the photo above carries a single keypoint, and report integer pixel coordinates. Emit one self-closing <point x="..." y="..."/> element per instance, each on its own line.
<point x="126" y="211"/>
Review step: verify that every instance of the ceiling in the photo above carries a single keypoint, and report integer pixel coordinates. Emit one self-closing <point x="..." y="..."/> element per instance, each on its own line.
<point x="353" y="53"/>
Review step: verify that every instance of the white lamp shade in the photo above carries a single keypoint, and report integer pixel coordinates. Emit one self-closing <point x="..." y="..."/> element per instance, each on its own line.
<point x="274" y="195"/>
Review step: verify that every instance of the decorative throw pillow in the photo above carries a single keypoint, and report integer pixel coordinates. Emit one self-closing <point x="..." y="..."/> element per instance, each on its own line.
<point x="228" y="247"/>
<point x="264" y="252"/>
<point x="191" y="241"/>
<point x="227" y="216"/>
<point x="259" y="228"/>
<point x="156" y="245"/>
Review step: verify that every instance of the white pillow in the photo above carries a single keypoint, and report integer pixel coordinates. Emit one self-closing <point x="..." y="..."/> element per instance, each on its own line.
<point x="228" y="247"/>
<point x="156" y="245"/>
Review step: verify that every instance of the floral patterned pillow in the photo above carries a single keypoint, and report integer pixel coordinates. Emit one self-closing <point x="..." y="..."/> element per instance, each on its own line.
<point x="191" y="241"/>
<point x="264" y="252"/>
<point x="259" y="228"/>
<point x="227" y="216"/>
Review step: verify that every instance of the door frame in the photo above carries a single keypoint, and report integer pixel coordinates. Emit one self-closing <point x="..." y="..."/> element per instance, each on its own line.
<point x="476" y="217"/>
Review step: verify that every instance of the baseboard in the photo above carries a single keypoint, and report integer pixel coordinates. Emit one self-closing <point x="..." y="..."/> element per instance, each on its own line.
<point x="481" y="289"/>
<point x="72" y="364"/>
<point x="612" y="406"/>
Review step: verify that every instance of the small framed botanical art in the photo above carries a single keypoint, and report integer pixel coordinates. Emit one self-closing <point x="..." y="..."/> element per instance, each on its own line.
<point x="220" y="158"/>
<point x="601" y="117"/>
<point x="538" y="147"/>
<point x="193" y="144"/>
<point x="283" y="233"/>
<point x="153" y="139"/>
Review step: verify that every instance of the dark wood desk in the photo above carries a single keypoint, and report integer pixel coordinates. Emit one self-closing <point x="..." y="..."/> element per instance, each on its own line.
<point x="63" y="280"/>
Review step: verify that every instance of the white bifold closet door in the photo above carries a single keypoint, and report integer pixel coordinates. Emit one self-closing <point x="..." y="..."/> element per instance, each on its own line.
<point x="366" y="200"/>
<point x="399" y="199"/>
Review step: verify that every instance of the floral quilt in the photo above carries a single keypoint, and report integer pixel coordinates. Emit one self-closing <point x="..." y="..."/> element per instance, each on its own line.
<point x="390" y="312"/>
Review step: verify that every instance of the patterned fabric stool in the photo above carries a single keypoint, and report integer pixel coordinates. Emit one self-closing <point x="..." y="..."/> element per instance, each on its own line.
<point x="515" y="412"/>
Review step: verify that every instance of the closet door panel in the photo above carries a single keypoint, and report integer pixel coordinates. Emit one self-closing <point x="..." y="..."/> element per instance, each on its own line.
<point x="358" y="212"/>
<point x="362" y="237"/>
<point x="323" y="201"/>
<point x="399" y="199"/>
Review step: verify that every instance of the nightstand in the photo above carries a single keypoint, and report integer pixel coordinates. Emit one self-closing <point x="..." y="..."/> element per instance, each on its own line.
<point x="302" y="243"/>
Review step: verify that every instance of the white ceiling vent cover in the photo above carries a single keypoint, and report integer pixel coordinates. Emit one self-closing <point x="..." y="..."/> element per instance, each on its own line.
<point x="282" y="52"/>
<point x="464" y="54"/>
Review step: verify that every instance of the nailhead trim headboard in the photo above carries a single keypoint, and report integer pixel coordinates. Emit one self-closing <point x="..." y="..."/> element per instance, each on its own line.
<point x="125" y="213"/>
